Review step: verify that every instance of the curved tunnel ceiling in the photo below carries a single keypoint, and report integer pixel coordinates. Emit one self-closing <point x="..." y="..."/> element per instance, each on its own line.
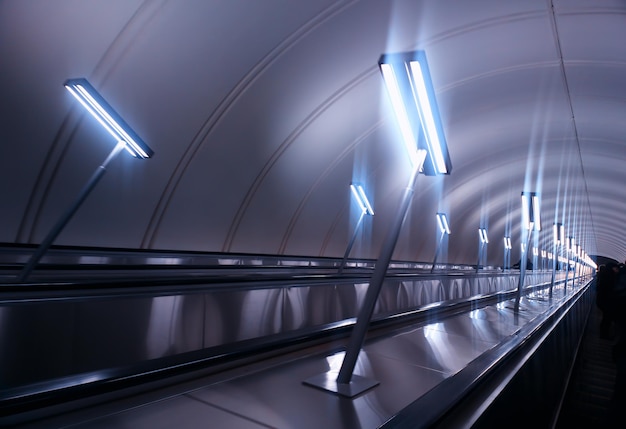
<point x="262" y="113"/>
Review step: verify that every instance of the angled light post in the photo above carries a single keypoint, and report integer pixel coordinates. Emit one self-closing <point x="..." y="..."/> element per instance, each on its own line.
<point x="548" y="262"/>
<point x="571" y="242"/>
<point x="409" y="85"/>
<point x="444" y="229"/>
<point x="366" y="209"/>
<point x="531" y="221"/>
<point x="576" y="263"/>
<point x="557" y="243"/>
<point x="126" y="139"/>
<point x="483" y="240"/>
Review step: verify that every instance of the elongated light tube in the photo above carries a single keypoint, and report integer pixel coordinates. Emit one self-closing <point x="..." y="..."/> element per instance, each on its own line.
<point x="412" y="95"/>
<point x="426" y="117"/>
<point x="361" y="198"/>
<point x="442" y="221"/>
<point x="482" y="232"/>
<point x="531" y="217"/>
<point x="558" y="233"/>
<point x="84" y="92"/>
<point x="525" y="212"/>
<point x="393" y="89"/>
<point x="536" y="212"/>
<point x="507" y="243"/>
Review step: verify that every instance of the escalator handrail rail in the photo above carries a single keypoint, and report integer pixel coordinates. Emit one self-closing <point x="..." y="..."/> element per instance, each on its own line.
<point x="430" y="408"/>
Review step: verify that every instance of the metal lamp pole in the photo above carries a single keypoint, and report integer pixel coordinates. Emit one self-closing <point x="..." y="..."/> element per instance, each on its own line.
<point x="63" y="220"/>
<point x="125" y="137"/>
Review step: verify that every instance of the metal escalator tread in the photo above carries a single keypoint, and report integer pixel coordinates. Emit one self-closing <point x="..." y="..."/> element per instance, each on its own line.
<point x="589" y="394"/>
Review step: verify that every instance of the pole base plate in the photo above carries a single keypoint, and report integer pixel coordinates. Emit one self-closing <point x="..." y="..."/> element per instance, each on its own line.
<point x="328" y="381"/>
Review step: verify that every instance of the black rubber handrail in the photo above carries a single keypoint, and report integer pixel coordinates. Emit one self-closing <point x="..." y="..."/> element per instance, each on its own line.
<point x="165" y="285"/>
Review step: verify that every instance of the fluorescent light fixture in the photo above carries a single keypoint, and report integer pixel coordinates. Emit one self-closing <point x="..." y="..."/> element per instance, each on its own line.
<point x="535" y="251"/>
<point x="568" y="243"/>
<point x="525" y="211"/>
<point x="544" y="253"/>
<point x="558" y="233"/>
<point x="536" y="216"/>
<point x="482" y="232"/>
<point x="531" y="218"/>
<point x="361" y="198"/>
<point x="442" y="221"/>
<point x="108" y="118"/>
<point x="523" y="246"/>
<point x="410" y="88"/>
<point x="507" y="243"/>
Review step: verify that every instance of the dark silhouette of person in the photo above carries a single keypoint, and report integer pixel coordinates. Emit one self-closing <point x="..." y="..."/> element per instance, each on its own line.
<point x="617" y="411"/>
<point x="605" y="287"/>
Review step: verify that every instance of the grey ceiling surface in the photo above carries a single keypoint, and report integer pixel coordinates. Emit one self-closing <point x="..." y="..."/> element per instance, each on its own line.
<point x="261" y="113"/>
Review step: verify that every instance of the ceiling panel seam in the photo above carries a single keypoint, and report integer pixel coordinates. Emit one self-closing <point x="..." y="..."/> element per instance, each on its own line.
<point x="571" y="107"/>
<point x="284" y="146"/>
<point x="215" y="117"/>
<point x="348" y="150"/>
<point x="62" y="139"/>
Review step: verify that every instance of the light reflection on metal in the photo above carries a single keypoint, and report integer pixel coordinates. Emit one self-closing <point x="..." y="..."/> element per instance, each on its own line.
<point x="434" y="332"/>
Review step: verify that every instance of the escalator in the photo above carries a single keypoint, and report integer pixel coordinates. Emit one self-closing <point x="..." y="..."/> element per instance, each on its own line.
<point x="588" y="403"/>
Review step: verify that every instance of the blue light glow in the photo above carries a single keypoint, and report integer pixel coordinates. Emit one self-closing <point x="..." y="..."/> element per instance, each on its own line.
<point x="482" y="232"/>
<point x="86" y="94"/>
<point x="408" y="82"/>
<point x="442" y="222"/>
<point x="426" y="117"/>
<point x="362" y="200"/>
<point x="531" y="217"/>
